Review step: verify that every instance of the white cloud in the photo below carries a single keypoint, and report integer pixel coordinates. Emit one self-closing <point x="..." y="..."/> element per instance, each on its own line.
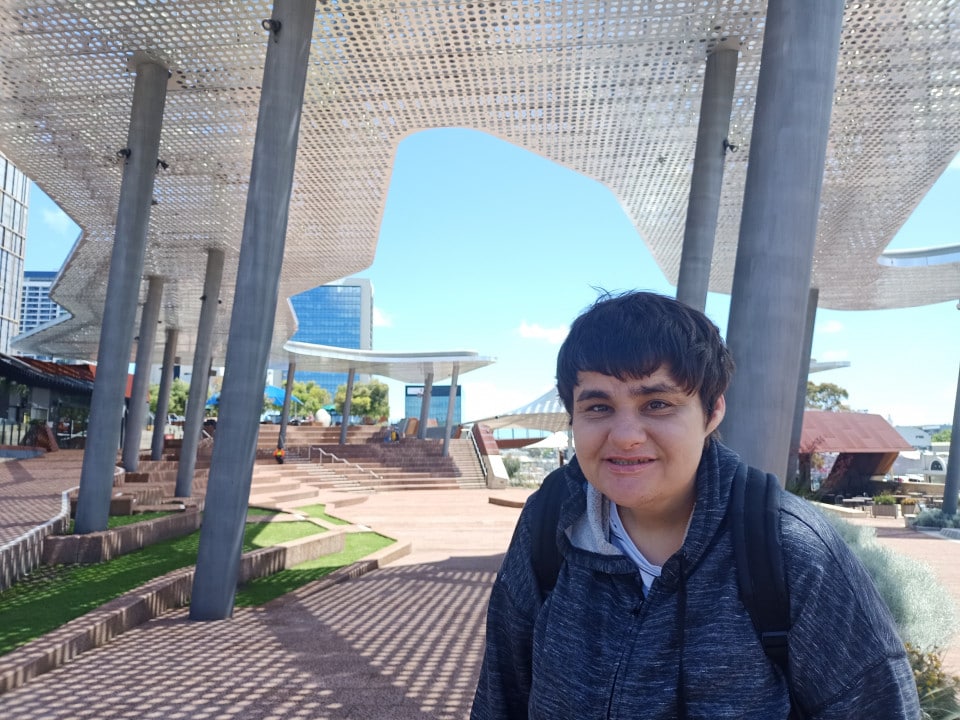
<point x="380" y="318"/>
<point x="58" y="221"/>
<point x="834" y="356"/>
<point x="554" y="336"/>
<point x="832" y="327"/>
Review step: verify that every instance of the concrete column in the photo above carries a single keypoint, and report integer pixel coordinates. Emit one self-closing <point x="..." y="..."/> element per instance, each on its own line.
<point x="140" y="392"/>
<point x="952" y="482"/>
<point x="200" y="379"/>
<point x="425" y="406"/>
<point x="163" y="394"/>
<point x="285" y="412"/>
<point x="793" y="460"/>
<point x="290" y="30"/>
<point x="123" y="289"/>
<point x="451" y="403"/>
<point x="778" y="226"/>
<point x="706" y="181"/>
<point x="346" y="406"/>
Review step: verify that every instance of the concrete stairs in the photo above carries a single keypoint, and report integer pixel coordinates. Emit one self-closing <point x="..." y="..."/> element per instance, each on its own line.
<point x="366" y="462"/>
<point x="315" y="462"/>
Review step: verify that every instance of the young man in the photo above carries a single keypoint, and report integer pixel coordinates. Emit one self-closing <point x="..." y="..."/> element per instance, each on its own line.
<point x="645" y="619"/>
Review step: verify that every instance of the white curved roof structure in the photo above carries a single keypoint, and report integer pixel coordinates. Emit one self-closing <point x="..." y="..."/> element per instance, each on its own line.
<point x="544" y="413"/>
<point x="410" y="367"/>
<point x="609" y="89"/>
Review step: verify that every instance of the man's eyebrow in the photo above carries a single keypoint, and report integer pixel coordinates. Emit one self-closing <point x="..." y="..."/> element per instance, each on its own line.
<point x="588" y="394"/>
<point x="656" y="388"/>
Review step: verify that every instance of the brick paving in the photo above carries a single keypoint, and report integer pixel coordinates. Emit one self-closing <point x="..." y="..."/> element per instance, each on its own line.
<point x="402" y="642"/>
<point x="31" y="490"/>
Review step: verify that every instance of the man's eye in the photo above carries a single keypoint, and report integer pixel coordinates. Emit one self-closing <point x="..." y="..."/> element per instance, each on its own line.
<point x="658" y="405"/>
<point x="597" y="408"/>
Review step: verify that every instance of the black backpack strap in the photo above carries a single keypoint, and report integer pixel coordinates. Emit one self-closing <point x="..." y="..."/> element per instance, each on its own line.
<point x="755" y="521"/>
<point x="544" y="553"/>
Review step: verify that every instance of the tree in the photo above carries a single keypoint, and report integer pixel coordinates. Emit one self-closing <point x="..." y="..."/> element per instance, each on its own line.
<point x="826" y="396"/>
<point x="942" y="435"/>
<point x="369" y="399"/>
<point x="179" y="390"/>
<point x="311" y="395"/>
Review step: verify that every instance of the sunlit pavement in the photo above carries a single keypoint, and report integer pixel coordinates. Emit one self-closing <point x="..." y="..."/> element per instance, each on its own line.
<point x="402" y="642"/>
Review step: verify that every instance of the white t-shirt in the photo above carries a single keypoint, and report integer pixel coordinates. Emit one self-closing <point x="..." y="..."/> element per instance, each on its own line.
<point x="620" y="538"/>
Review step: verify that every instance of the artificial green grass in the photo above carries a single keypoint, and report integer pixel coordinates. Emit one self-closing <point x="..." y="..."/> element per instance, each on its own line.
<point x="52" y="596"/>
<point x="264" y="589"/>
<point x="261" y="512"/>
<point x="320" y="513"/>
<point x="115" y="521"/>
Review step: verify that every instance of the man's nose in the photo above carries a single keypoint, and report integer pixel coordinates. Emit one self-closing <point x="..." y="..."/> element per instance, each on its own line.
<point x="629" y="429"/>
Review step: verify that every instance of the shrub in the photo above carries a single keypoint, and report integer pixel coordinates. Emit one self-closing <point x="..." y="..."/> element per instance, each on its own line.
<point x="925" y="616"/>
<point x="924" y="613"/>
<point x="884" y="499"/>
<point x="937" y="690"/>
<point x="935" y="518"/>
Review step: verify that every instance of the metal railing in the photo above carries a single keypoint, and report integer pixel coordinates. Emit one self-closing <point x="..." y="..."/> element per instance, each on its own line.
<point x="321" y="453"/>
<point x="476" y="449"/>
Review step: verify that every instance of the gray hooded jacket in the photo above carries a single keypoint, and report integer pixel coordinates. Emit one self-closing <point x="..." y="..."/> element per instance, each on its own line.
<point x="597" y="648"/>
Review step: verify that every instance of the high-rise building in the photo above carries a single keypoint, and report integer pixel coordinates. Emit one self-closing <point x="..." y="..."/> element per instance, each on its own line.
<point x="14" y="188"/>
<point x="338" y="314"/>
<point x="36" y="307"/>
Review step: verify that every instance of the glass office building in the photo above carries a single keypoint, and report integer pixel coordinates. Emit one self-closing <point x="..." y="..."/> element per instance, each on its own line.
<point x="338" y="314"/>
<point x="36" y="307"/>
<point x="14" y="188"/>
<point x="439" y="403"/>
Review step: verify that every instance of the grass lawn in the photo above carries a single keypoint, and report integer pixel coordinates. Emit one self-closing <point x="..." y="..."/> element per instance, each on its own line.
<point x="115" y="521"/>
<point x="261" y="590"/>
<point x="52" y="596"/>
<point x="320" y="513"/>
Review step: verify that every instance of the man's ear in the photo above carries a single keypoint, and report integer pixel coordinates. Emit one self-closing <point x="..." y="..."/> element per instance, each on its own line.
<point x="719" y="410"/>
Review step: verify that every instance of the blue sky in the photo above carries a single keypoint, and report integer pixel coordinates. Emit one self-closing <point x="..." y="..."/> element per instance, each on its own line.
<point x="487" y="247"/>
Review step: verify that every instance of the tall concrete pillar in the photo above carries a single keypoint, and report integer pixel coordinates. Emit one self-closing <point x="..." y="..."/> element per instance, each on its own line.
<point x="140" y="391"/>
<point x="425" y="406"/>
<point x="778" y="226"/>
<point x="163" y="394"/>
<point x="290" y="29"/>
<point x="952" y="481"/>
<point x="793" y="460"/>
<point x="285" y="411"/>
<point x="451" y="404"/>
<point x="706" y="181"/>
<point x="348" y="400"/>
<point x="200" y="379"/>
<point x="123" y="289"/>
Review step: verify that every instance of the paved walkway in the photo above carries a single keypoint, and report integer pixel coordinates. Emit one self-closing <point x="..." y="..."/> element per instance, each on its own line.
<point x="401" y="642"/>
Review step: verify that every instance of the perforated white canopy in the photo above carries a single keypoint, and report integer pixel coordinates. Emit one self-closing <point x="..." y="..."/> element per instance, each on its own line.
<point x="609" y="89"/>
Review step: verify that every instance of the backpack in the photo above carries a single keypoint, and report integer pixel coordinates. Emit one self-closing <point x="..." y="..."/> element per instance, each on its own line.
<point x="754" y="516"/>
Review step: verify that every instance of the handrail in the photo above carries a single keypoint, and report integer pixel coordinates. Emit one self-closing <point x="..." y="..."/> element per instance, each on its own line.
<point x="476" y="449"/>
<point x="334" y="458"/>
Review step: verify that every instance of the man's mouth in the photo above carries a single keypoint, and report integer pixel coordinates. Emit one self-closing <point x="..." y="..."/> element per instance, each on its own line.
<point x="627" y="463"/>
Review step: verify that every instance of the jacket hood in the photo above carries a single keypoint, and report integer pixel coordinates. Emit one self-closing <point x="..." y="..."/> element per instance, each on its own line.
<point x="585" y="522"/>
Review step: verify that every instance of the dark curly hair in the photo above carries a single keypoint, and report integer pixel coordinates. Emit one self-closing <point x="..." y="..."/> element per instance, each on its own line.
<point x="633" y="334"/>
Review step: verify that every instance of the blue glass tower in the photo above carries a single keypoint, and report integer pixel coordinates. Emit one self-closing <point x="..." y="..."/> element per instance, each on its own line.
<point x="338" y="314"/>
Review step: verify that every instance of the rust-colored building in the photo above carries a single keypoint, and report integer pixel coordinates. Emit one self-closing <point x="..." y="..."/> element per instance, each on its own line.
<point x="866" y="447"/>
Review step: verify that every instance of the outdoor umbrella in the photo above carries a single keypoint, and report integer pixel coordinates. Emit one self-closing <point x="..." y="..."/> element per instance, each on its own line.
<point x="274" y="395"/>
<point x="271" y="393"/>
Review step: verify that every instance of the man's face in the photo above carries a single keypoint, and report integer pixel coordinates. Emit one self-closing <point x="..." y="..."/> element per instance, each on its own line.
<point x="639" y="440"/>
